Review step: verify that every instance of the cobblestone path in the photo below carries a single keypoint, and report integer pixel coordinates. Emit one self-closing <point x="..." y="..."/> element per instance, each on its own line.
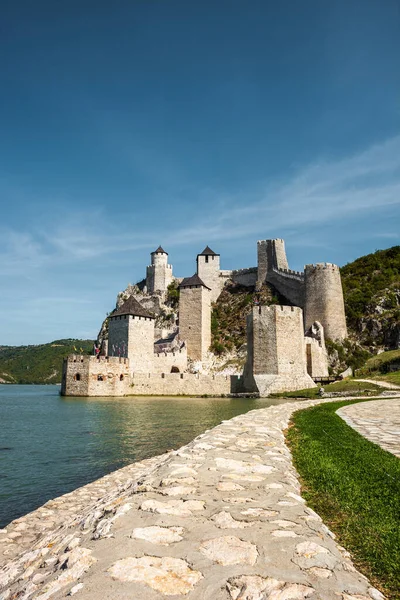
<point x="378" y="421"/>
<point x="221" y="518"/>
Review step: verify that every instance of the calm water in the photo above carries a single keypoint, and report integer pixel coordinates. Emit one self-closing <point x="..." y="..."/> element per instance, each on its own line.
<point x="50" y="445"/>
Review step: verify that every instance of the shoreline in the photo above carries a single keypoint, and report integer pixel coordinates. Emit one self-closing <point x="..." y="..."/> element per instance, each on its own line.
<point x="33" y="544"/>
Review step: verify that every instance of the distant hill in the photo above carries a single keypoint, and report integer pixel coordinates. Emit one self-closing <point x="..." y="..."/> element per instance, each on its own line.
<point x="38" y="364"/>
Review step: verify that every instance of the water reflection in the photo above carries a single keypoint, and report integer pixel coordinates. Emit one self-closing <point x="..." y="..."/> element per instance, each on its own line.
<point x="58" y="444"/>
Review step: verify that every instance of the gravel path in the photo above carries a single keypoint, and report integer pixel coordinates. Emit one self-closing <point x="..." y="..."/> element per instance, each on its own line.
<point x="221" y="518"/>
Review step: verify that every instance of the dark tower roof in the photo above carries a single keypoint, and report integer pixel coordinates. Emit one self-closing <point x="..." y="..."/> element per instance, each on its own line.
<point x="208" y="252"/>
<point x="132" y="307"/>
<point x="159" y="251"/>
<point x="193" y="281"/>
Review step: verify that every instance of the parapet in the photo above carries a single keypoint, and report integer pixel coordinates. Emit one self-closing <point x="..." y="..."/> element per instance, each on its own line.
<point x="87" y="359"/>
<point x="321" y="267"/>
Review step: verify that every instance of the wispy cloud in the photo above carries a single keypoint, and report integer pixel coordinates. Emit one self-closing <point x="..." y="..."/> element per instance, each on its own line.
<point x="325" y="191"/>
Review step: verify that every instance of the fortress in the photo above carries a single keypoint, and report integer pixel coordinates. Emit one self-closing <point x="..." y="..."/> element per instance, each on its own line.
<point x="285" y="343"/>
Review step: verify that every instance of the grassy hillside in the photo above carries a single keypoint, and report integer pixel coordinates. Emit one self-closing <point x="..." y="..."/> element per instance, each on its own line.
<point x="38" y="364"/>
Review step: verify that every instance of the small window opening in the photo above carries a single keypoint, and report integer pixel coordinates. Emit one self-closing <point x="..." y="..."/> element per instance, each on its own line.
<point x="99" y="377"/>
<point x="121" y="377"/>
<point x="206" y="259"/>
<point x="77" y="377"/>
<point x="175" y="370"/>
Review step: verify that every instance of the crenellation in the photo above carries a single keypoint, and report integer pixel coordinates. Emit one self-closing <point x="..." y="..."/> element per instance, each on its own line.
<point x="286" y="343"/>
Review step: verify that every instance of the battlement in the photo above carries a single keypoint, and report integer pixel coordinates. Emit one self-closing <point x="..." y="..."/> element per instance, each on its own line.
<point x="166" y="266"/>
<point x="85" y="360"/>
<point x="279" y="309"/>
<point x="130" y="318"/>
<point x="164" y="352"/>
<point x="321" y="267"/>
<point x="299" y="275"/>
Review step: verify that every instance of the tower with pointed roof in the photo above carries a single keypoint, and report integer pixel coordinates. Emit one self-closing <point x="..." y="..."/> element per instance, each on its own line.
<point x="131" y="335"/>
<point x="208" y="269"/>
<point x="195" y="316"/>
<point x="159" y="273"/>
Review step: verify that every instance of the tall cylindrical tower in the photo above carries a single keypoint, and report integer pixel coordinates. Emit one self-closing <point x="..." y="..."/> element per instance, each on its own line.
<point x="159" y="273"/>
<point x="324" y="300"/>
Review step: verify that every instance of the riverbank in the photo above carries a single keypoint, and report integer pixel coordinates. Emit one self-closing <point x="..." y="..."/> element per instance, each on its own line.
<point x="219" y="518"/>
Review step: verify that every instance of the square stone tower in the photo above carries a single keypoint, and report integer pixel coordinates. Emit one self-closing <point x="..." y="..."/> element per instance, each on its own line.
<point x="159" y="273"/>
<point x="208" y="269"/>
<point x="276" y="354"/>
<point x="131" y="335"/>
<point x="195" y="316"/>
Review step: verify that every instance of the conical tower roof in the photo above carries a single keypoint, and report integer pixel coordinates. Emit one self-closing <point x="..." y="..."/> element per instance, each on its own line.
<point x="208" y="252"/>
<point x="159" y="250"/>
<point x="193" y="281"/>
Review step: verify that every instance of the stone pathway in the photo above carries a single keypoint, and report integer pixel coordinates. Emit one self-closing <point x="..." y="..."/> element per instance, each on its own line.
<point x="377" y="420"/>
<point x="221" y="518"/>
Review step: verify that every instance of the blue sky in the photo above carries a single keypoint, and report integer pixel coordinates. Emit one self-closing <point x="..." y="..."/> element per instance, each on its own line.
<point x="131" y="124"/>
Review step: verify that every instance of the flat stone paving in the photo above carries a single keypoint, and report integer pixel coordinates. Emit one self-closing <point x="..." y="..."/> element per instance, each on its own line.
<point x="221" y="518"/>
<point x="377" y="420"/>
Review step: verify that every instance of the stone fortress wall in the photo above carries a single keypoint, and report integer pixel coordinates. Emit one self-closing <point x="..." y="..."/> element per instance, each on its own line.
<point x="112" y="376"/>
<point x="276" y="355"/>
<point x="132" y="336"/>
<point x="170" y="362"/>
<point x="324" y="299"/>
<point x="195" y="319"/>
<point x="284" y="350"/>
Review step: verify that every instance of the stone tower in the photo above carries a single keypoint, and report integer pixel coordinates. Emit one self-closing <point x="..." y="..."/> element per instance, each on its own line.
<point x="276" y="354"/>
<point x="324" y="300"/>
<point x="271" y="254"/>
<point x="208" y="269"/>
<point x="159" y="273"/>
<point x="131" y="335"/>
<point x="195" y="316"/>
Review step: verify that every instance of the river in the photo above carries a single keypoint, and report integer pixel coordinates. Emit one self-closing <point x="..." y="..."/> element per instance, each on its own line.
<point x="50" y="445"/>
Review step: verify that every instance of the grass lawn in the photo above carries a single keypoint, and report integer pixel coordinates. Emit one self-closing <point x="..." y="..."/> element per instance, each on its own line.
<point x="347" y="385"/>
<point x="354" y="486"/>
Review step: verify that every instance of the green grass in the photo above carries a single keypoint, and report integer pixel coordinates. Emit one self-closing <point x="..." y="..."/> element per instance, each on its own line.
<point x="389" y="377"/>
<point x="354" y="486"/>
<point x="375" y="362"/>
<point x="347" y="385"/>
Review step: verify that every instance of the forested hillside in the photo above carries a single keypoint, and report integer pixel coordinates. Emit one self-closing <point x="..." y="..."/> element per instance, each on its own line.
<point x="371" y="286"/>
<point x="38" y="364"/>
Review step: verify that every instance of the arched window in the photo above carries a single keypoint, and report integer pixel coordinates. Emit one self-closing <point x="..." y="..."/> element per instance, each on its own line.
<point x="175" y="370"/>
<point x="77" y="377"/>
<point x="121" y="377"/>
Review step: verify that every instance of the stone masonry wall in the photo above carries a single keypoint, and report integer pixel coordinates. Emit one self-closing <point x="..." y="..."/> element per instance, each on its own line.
<point x="209" y="273"/>
<point x="185" y="384"/>
<point x="195" y="320"/>
<point x="324" y="300"/>
<point x="246" y="277"/>
<point x="132" y="337"/>
<point x="91" y="376"/>
<point x="158" y="274"/>
<point x="317" y="360"/>
<point x="163" y="362"/>
<point x="276" y="359"/>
